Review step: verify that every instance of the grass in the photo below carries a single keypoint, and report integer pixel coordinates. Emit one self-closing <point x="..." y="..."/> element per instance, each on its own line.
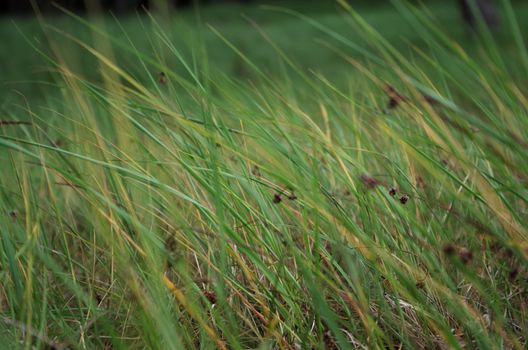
<point x="253" y="196"/>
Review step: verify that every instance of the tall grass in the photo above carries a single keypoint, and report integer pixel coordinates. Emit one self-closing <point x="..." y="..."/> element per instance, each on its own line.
<point x="281" y="210"/>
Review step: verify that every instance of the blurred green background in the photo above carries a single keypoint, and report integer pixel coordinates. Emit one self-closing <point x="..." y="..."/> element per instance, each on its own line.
<point x="24" y="72"/>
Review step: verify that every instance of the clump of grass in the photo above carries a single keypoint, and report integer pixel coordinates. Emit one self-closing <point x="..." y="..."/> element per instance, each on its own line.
<point x="201" y="210"/>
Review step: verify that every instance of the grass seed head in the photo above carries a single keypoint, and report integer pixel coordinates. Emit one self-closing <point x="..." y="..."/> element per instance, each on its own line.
<point x="420" y="182"/>
<point x="465" y="255"/>
<point x="449" y="249"/>
<point x="514" y="272"/>
<point x="162" y="78"/>
<point x="395" y="99"/>
<point x="211" y="296"/>
<point x="369" y="181"/>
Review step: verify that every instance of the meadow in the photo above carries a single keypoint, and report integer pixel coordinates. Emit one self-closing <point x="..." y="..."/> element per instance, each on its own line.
<point x="265" y="177"/>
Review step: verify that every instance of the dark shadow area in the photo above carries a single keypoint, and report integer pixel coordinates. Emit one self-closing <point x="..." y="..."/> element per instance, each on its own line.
<point x="25" y="7"/>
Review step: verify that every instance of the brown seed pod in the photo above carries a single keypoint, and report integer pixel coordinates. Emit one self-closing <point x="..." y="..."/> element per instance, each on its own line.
<point x="465" y="255"/>
<point x="211" y="296"/>
<point x="256" y="171"/>
<point x="369" y="181"/>
<point x="514" y="272"/>
<point x="395" y="98"/>
<point x="162" y="78"/>
<point x="449" y="249"/>
<point x="420" y="183"/>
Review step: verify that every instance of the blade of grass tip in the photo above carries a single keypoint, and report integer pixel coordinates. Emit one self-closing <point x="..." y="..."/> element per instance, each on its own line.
<point x="511" y="19"/>
<point x="340" y="38"/>
<point x="240" y="54"/>
<point x="114" y="40"/>
<point x="168" y="42"/>
<point x="279" y="51"/>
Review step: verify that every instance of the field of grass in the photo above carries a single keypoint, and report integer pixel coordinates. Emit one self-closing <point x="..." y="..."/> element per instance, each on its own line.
<point x="315" y="178"/>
